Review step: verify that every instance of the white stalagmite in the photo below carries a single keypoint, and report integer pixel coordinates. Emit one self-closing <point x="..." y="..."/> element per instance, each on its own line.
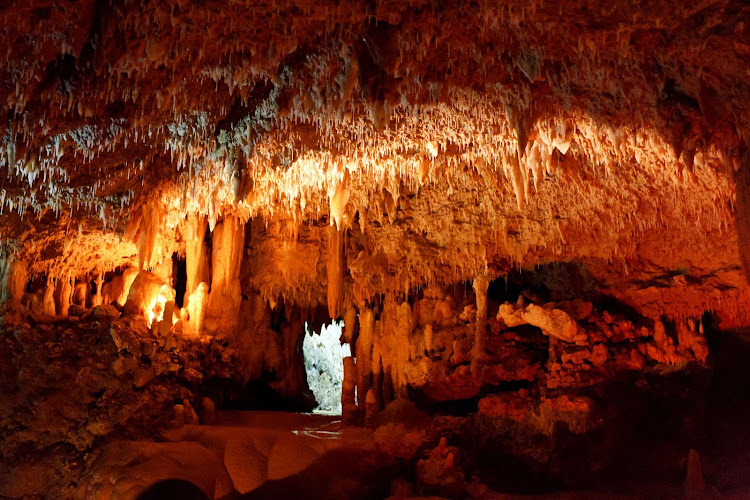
<point x="195" y="254"/>
<point x="226" y="292"/>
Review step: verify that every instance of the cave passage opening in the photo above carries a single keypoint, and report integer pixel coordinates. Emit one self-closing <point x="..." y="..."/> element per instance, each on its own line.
<point x="324" y="356"/>
<point x="179" y="271"/>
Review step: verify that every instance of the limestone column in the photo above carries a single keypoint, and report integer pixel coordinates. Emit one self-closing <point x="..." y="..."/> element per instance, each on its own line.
<point x="149" y="251"/>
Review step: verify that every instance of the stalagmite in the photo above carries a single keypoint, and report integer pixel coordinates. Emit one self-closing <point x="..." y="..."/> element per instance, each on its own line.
<point x="194" y="314"/>
<point x="349" y="413"/>
<point x="401" y="349"/>
<point x="377" y="382"/>
<point x="127" y="278"/>
<point x="371" y="408"/>
<point x="66" y="291"/>
<point x="226" y="292"/>
<point x="694" y="486"/>
<point x="335" y="269"/>
<point x="166" y="306"/>
<point x="97" y="298"/>
<point x="80" y="294"/>
<point x="13" y="277"/>
<point x="363" y="350"/>
<point x="48" y="302"/>
<point x="196" y="260"/>
<point x="148" y="296"/>
<point x="481" y="283"/>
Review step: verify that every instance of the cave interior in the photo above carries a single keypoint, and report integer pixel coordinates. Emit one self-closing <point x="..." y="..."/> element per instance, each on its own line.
<point x="374" y="249"/>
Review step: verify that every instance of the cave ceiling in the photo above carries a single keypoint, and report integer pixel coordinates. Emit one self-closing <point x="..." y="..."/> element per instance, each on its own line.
<point x="442" y="140"/>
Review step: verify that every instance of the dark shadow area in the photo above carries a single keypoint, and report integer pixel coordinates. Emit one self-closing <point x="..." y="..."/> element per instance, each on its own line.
<point x="646" y="427"/>
<point x="727" y="432"/>
<point x="173" y="489"/>
<point x="254" y="395"/>
<point x="179" y="271"/>
<point x="556" y="281"/>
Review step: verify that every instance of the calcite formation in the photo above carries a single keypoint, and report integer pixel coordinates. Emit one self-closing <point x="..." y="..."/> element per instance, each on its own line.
<point x="512" y="206"/>
<point x="438" y="149"/>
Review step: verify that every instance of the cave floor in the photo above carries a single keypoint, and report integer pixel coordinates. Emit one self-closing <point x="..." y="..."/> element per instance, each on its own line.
<point x="266" y="454"/>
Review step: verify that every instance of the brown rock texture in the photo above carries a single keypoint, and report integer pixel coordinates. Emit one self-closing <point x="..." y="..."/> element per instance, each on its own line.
<point x="533" y="219"/>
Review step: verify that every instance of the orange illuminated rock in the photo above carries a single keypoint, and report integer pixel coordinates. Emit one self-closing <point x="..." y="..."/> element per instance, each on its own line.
<point x="552" y="321"/>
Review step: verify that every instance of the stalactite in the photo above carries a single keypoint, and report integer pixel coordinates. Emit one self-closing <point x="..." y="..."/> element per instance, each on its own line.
<point x="149" y="252"/>
<point x="350" y="324"/>
<point x="335" y="269"/>
<point x="195" y="254"/>
<point x="226" y="292"/>
<point x="338" y="203"/>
